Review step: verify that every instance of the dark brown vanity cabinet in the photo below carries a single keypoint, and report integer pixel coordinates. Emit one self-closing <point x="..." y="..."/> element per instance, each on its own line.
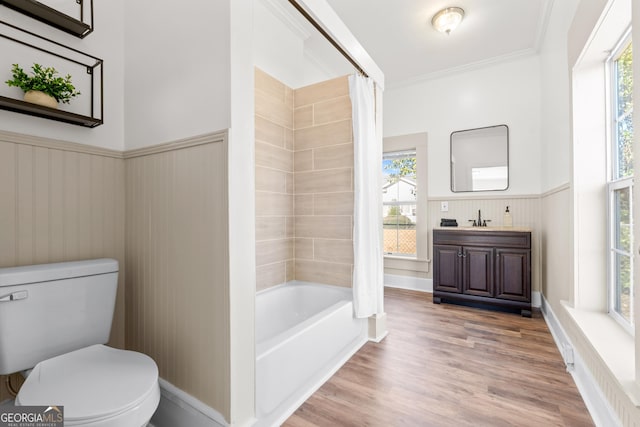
<point x="488" y="267"/>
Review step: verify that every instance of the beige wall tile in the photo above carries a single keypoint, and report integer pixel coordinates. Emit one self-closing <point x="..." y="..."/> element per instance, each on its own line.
<point x="291" y="270"/>
<point x="271" y="251"/>
<point x="328" y="227"/>
<point x="270" y="275"/>
<point x="327" y="181"/>
<point x="304" y="248"/>
<point x="337" y="156"/>
<point x="288" y="139"/>
<point x="273" y="204"/>
<point x="303" y="117"/>
<point x="333" y="250"/>
<point x="271" y="133"/>
<point x="290" y="183"/>
<point x="270" y="85"/>
<point x="270" y="227"/>
<point x="333" y="203"/>
<point x="332" y="110"/>
<point x="303" y="204"/>
<point x="303" y="160"/>
<point x="272" y="109"/>
<point x="288" y="96"/>
<point x="324" y="135"/>
<point x="271" y="180"/>
<point x="274" y="157"/>
<point x="291" y="226"/>
<point x="322" y="91"/>
<point x="324" y="272"/>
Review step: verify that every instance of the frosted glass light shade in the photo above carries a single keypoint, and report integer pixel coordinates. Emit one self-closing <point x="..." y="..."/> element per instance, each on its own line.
<point x="447" y="19"/>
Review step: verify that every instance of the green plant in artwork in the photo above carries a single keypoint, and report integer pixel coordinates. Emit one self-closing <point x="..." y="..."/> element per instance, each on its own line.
<point x="44" y="79"/>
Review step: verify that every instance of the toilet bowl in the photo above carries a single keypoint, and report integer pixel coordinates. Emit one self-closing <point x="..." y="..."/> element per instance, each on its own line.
<point x="98" y="386"/>
<point x="54" y="321"/>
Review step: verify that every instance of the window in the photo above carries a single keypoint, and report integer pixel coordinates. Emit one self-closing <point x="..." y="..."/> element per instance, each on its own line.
<point x="399" y="200"/>
<point x="620" y="185"/>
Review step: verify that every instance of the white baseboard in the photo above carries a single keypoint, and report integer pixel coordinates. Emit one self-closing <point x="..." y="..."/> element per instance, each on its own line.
<point x="601" y="412"/>
<point x="408" y="282"/>
<point x="536" y="299"/>
<point x="178" y="408"/>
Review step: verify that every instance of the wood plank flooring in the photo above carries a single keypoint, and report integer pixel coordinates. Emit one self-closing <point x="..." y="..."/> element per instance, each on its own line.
<point x="449" y="365"/>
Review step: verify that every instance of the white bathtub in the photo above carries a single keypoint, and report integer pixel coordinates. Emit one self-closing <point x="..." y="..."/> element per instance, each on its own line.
<point x="304" y="333"/>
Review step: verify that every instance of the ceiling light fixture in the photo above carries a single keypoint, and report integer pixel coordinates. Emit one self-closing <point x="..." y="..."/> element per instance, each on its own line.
<point x="447" y="19"/>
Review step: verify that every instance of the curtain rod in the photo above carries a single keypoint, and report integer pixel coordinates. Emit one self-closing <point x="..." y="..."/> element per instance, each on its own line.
<point x="326" y="35"/>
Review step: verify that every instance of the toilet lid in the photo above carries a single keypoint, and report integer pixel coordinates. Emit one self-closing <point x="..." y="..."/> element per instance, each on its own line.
<point x="92" y="382"/>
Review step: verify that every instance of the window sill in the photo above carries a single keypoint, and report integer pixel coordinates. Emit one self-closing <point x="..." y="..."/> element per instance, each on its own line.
<point x="405" y="258"/>
<point x="614" y="345"/>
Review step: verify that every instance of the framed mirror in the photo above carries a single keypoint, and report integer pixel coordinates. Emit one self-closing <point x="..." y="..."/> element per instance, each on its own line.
<point x="480" y="159"/>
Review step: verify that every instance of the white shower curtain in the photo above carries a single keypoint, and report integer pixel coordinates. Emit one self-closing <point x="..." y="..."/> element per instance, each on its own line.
<point x="367" y="218"/>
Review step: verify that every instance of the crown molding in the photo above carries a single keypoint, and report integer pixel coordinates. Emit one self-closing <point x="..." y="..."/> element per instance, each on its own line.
<point x="519" y="54"/>
<point x="543" y="24"/>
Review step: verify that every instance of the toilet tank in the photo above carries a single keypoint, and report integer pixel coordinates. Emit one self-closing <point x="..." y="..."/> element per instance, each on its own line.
<point x="50" y="309"/>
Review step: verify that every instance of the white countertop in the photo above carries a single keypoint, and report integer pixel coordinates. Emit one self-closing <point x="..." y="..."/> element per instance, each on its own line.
<point x="488" y="228"/>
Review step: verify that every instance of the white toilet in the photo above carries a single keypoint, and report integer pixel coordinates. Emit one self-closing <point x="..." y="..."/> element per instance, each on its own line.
<point x="55" y="318"/>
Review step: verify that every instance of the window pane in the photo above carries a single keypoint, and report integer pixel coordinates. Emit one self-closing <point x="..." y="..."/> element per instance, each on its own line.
<point x="623" y="114"/>
<point x="399" y="229"/>
<point x="399" y="197"/>
<point x="399" y="171"/>
<point x="624" y="79"/>
<point x="622" y="297"/>
<point x="622" y="218"/>
<point x="624" y="138"/>
<point x="620" y="190"/>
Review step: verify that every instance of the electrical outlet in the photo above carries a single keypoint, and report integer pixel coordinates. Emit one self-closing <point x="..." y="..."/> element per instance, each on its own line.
<point x="444" y="206"/>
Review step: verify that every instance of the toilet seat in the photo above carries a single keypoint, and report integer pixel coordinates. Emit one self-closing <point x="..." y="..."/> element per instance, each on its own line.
<point x="96" y="385"/>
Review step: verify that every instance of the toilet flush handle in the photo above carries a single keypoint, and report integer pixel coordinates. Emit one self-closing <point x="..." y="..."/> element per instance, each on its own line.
<point x="14" y="296"/>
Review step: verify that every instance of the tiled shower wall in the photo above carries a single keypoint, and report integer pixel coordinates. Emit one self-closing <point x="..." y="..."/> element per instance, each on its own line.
<point x="274" y="181"/>
<point x="323" y="165"/>
<point x="304" y="182"/>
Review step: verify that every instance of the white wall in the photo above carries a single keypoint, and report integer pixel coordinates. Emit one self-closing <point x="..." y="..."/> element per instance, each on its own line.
<point x="504" y="93"/>
<point x="555" y="102"/>
<point x="107" y="43"/>
<point x="291" y="50"/>
<point x="177" y="70"/>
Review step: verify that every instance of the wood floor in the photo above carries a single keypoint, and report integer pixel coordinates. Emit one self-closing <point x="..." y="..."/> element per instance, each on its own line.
<point x="448" y="365"/>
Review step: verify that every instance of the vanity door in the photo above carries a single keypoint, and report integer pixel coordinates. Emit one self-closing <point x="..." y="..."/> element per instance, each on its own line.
<point x="513" y="274"/>
<point x="477" y="272"/>
<point x="447" y="274"/>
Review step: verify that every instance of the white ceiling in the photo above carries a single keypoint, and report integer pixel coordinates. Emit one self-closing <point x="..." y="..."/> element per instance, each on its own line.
<point x="399" y="36"/>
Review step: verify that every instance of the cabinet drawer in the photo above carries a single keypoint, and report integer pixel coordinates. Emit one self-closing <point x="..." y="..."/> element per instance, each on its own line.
<point x="503" y="239"/>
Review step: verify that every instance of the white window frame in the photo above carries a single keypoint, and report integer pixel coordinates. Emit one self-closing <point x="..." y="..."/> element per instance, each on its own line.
<point x="614" y="183"/>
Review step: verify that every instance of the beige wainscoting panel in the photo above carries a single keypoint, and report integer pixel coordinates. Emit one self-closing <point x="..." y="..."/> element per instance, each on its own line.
<point x="60" y="202"/>
<point x="177" y="272"/>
